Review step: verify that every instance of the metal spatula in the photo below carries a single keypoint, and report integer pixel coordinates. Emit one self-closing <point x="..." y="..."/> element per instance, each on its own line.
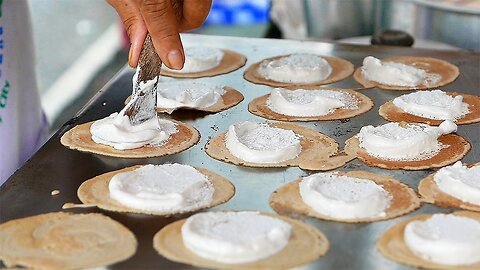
<point x="143" y="105"/>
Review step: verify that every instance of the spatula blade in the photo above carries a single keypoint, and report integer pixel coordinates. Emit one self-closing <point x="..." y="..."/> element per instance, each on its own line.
<point x="143" y="105"/>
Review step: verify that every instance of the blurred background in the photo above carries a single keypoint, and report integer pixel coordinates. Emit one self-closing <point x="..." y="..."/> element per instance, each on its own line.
<point x="81" y="44"/>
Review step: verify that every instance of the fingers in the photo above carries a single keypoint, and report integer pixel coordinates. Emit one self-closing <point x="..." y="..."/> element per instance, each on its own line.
<point x="162" y="24"/>
<point x="194" y="14"/>
<point x="134" y="24"/>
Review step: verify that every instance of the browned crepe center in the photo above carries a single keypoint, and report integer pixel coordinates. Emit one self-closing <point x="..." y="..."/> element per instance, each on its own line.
<point x="305" y="245"/>
<point x="65" y="241"/>
<point x="95" y="192"/>
<point x="287" y="199"/>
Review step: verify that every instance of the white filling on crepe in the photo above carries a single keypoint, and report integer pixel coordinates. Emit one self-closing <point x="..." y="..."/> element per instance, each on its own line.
<point x="299" y="68"/>
<point x="164" y="188"/>
<point x="260" y="143"/>
<point x="344" y="197"/>
<point x="409" y="142"/>
<point x="396" y="74"/>
<point x="309" y="102"/>
<point x="198" y="59"/>
<point x="434" y="104"/>
<point x="194" y="94"/>
<point x="445" y="239"/>
<point x="460" y="182"/>
<point x="235" y="237"/>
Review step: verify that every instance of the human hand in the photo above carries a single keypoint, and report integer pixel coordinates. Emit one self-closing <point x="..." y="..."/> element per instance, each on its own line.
<point x="163" y="19"/>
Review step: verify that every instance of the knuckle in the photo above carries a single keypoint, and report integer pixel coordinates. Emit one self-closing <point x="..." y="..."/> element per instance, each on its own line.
<point x="154" y="6"/>
<point x="130" y="23"/>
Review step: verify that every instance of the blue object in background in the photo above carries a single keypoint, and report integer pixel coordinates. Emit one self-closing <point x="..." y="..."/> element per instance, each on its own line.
<point x="238" y="12"/>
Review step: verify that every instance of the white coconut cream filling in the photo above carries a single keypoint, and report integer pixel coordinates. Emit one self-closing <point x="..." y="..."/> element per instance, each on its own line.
<point x="344" y="197"/>
<point x="176" y="94"/>
<point x="166" y="188"/>
<point x="309" y="102"/>
<point x="396" y="74"/>
<point x="235" y="237"/>
<point x="296" y="68"/>
<point x="260" y="143"/>
<point x="460" y="182"/>
<point x="393" y="141"/>
<point x="434" y="104"/>
<point x="445" y="239"/>
<point x="198" y="59"/>
<point x="117" y="131"/>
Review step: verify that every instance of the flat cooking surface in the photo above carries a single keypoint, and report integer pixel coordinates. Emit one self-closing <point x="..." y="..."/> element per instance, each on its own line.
<point x="352" y="246"/>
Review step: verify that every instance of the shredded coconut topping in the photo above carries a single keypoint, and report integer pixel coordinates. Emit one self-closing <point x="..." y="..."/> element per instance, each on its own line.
<point x="265" y="137"/>
<point x="394" y="141"/>
<point x="434" y="104"/>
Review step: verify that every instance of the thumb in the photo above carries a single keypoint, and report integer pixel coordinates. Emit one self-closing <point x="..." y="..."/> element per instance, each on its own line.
<point x="162" y="24"/>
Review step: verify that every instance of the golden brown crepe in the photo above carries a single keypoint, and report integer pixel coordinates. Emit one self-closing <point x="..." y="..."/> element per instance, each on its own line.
<point x="305" y="245"/>
<point x="341" y="69"/>
<point x="319" y="152"/>
<point x="457" y="148"/>
<point x="95" y="192"/>
<point x="65" y="241"/>
<point x="80" y="138"/>
<point x="431" y="193"/>
<point x="447" y="71"/>
<point x="287" y="200"/>
<point x="392" y="113"/>
<point x="259" y="107"/>
<point x="392" y="245"/>
<point x="231" y="61"/>
<point x="231" y="98"/>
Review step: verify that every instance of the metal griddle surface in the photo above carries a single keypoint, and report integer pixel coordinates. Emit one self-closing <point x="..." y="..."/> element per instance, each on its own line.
<point x="27" y="192"/>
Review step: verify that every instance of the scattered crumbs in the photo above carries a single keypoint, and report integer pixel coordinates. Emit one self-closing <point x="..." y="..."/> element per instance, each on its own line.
<point x="55" y="192"/>
<point x="77" y="205"/>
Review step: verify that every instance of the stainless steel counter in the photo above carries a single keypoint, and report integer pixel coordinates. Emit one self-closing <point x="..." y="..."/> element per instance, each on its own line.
<point x="27" y="192"/>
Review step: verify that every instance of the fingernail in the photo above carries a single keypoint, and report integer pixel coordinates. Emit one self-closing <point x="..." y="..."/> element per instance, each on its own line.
<point x="130" y="52"/>
<point x="175" y="59"/>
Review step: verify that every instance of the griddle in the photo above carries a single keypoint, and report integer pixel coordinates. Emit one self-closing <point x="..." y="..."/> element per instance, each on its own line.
<point x="27" y="192"/>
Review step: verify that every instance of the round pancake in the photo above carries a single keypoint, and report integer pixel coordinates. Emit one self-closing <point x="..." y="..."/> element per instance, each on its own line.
<point x="319" y="152"/>
<point x="341" y="69"/>
<point x="457" y="148"/>
<point x="65" y="241"/>
<point x="306" y="244"/>
<point x="287" y="200"/>
<point x="79" y="138"/>
<point x="392" y="113"/>
<point x="259" y="107"/>
<point x="449" y="72"/>
<point x="231" y="61"/>
<point x="392" y="245"/>
<point x="95" y="192"/>
<point x="432" y="194"/>
<point x="231" y="98"/>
